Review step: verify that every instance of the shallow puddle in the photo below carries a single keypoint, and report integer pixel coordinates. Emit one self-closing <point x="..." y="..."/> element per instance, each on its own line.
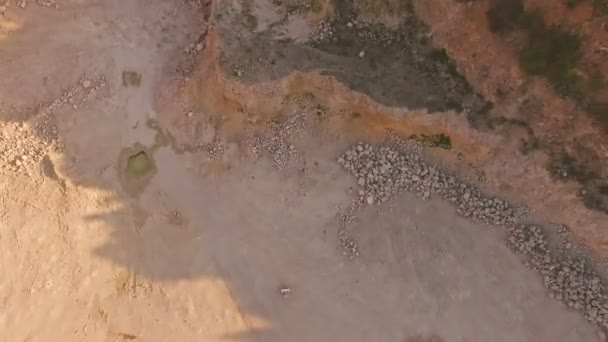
<point x="139" y="164"/>
<point x="135" y="168"/>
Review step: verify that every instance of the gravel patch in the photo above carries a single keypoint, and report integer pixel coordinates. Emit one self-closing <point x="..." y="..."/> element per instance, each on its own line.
<point x="382" y="172"/>
<point x="570" y="279"/>
<point x="23" y="145"/>
<point x="20" y="148"/>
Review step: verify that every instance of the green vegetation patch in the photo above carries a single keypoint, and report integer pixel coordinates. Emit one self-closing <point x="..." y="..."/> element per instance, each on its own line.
<point x="599" y="110"/>
<point x="550" y="51"/>
<point x="438" y="140"/>
<point x="565" y="166"/>
<point x="380" y="7"/>
<point x="600" y="8"/>
<point x="571" y="4"/>
<point x="595" y="196"/>
<point x="505" y="15"/>
<point x="441" y="56"/>
<point x="554" y="54"/>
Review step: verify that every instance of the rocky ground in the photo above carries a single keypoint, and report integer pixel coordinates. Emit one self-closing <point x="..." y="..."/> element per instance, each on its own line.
<point x="279" y="170"/>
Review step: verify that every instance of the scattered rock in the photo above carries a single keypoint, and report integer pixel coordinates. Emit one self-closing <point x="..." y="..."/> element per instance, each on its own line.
<point x="46" y="3"/>
<point x="324" y="33"/>
<point x="278" y="145"/>
<point x="192" y="51"/>
<point x="349" y="246"/>
<point x="215" y="149"/>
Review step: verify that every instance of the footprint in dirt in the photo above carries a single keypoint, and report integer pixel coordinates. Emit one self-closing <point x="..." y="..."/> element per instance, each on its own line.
<point x="131" y="78"/>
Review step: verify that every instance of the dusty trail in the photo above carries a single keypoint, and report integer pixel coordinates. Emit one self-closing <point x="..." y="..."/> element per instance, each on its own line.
<point x="130" y="209"/>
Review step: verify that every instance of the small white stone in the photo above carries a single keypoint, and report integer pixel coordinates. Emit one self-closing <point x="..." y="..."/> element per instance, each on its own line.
<point x="349" y="25"/>
<point x="361" y="54"/>
<point x="370" y="200"/>
<point x="190" y="114"/>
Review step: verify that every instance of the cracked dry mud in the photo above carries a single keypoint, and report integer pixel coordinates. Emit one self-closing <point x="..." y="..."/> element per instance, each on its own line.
<point x="232" y="171"/>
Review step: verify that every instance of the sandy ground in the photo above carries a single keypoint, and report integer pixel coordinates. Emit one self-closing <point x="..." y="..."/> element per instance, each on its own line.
<point x="199" y="249"/>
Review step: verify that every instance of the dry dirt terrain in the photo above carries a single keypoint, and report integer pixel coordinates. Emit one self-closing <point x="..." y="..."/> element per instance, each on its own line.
<point x="262" y="170"/>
